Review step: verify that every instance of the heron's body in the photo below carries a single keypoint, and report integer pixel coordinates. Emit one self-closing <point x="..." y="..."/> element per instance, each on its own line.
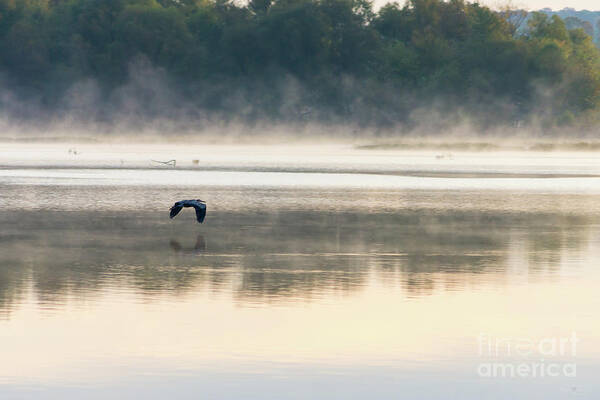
<point x="199" y="206"/>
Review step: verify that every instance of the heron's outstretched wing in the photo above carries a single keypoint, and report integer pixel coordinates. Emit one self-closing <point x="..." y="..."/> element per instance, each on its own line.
<point x="200" y="211"/>
<point x="175" y="210"/>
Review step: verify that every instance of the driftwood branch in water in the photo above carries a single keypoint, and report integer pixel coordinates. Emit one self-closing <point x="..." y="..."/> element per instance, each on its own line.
<point x="170" y="162"/>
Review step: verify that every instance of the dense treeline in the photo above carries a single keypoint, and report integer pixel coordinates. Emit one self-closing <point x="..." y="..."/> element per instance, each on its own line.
<point x="330" y="61"/>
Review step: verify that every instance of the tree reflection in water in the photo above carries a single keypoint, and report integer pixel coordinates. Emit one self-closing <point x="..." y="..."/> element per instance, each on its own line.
<point x="276" y="257"/>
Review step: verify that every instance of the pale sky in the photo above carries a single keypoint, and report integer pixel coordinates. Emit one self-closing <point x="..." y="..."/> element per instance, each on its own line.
<point x="592" y="5"/>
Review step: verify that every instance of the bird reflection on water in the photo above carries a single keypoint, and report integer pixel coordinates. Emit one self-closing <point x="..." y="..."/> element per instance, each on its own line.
<point x="199" y="246"/>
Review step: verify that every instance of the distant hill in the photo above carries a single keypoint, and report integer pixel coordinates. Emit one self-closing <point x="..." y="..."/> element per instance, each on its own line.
<point x="588" y="20"/>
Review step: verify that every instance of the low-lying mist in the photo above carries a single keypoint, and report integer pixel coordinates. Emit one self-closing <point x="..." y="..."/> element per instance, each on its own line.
<point x="152" y="105"/>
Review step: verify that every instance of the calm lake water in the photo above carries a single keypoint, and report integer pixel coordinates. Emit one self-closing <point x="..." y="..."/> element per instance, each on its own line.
<point x="320" y="272"/>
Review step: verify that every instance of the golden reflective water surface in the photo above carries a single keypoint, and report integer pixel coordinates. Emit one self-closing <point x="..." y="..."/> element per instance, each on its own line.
<point x="294" y="291"/>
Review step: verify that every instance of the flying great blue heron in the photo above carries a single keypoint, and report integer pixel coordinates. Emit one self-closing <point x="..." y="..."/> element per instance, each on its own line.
<point x="199" y="206"/>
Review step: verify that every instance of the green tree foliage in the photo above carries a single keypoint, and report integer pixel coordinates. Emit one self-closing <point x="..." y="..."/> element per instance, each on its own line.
<point x="339" y="58"/>
<point x="576" y="23"/>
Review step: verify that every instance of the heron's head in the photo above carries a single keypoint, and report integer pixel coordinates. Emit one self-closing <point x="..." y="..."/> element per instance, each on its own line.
<point x="201" y="201"/>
